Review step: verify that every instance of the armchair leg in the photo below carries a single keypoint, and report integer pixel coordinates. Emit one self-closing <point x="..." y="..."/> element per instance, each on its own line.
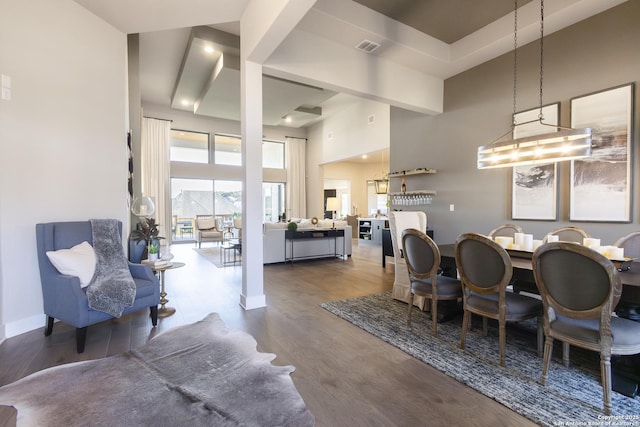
<point x="81" y="339"/>
<point x="49" y="328"/>
<point x="153" y="312"/>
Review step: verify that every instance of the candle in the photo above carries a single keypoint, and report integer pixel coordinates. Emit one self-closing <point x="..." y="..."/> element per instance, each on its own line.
<point x="528" y="242"/>
<point x="518" y="239"/>
<point x="537" y="244"/>
<point x="590" y="242"/>
<point x="616" y="253"/>
<point x="504" y="241"/>
<point x="553" y="238"/>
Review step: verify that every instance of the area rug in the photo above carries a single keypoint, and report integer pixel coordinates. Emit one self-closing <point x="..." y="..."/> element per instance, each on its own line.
<point x="211" y="254"/>
<point x="571" y="395"/>
<point x="196" y="375"/>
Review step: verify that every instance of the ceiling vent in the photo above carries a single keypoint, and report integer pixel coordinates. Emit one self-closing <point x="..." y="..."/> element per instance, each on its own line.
<point x="367" y="46"/>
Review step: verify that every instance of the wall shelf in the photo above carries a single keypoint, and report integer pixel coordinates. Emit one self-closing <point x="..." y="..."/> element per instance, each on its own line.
<point x="418" y="171"/>
<point x="412" y="198"/>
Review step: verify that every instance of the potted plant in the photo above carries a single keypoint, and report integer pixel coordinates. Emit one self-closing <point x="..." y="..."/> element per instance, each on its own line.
<point x="153" y="249"/>
<point x="146" y="234"/>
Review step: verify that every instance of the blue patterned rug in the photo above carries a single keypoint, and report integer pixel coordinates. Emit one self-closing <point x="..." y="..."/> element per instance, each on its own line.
<point x="572" y="396"/>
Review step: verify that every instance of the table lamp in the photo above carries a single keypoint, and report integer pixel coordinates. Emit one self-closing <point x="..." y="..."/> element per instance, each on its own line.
<point x="333" y="205"/>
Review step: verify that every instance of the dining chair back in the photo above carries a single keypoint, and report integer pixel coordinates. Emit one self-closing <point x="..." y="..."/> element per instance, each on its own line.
<point x="422" y="257"/>
<point x="505" y="230"/>
<point x="568" y="234"/>
<point x="398" y="222"/>
<point x="485" y="271"/>
<point x="580" y="289"/>
<point x="630" y="243"/>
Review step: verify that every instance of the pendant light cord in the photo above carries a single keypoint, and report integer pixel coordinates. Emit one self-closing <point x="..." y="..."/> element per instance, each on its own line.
<point x="540" y="116"/>
<point x="515" y="58"/>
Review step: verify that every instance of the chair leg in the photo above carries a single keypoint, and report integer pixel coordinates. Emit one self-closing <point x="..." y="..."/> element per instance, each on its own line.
<point x="546" y="358"/>
<point x="540" y="336"/>
<point x="153" y="312"/>
<point x="605" y="370"/>
<point x="49" y="328"/>
<point x="502" y="331"/>
<point x="465" y="326"/>
<point x="434" y="317"/>
<point x="81" y="339"/>
<point x="565" y="353"/>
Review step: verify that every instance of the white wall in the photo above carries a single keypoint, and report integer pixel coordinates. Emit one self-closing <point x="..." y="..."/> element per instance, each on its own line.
<point x="351" y="135"/>
<point x="62" y="136"/>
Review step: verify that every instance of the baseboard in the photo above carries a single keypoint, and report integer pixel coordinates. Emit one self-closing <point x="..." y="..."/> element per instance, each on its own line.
<point x="23" y="325"/>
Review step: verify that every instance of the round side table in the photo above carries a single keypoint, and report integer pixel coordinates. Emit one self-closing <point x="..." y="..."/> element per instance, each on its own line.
<point x="164" y="311"/>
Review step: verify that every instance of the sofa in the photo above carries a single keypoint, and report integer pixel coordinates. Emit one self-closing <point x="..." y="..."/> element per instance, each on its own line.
<point x="274" y="246"/>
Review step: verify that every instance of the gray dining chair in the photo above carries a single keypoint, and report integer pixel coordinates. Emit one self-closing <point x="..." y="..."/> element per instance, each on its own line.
<point x="422" y="258"/>
<point x="630" y="243"/>
<point x="485" y="271"/>
<point x="568" y="234"/>
<point x="580" y="289"/>
<point x="505" y="230"/>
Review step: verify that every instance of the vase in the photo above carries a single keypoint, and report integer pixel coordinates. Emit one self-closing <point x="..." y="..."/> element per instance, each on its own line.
<point x="153" y="257"/>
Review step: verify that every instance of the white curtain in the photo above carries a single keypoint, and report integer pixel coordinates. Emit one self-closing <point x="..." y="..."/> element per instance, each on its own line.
<point x="296" y="178"/>
<point x="155" y="135"/>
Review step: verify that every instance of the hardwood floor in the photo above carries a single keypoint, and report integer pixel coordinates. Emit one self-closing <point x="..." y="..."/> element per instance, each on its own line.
<point x="346" y="376"/>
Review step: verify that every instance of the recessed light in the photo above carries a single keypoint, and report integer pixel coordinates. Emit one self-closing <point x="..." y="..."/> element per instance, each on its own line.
<point x="364" y="156"/>
<point x="288" y="119"/>
<point x="208" y="49"/>
<point x="185" y="102"/>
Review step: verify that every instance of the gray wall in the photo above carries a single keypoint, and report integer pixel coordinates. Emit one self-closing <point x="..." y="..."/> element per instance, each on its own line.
<point x="595" y="54"/>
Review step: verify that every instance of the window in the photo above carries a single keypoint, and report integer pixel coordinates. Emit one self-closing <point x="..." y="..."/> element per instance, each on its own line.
<point x="273" y="154"/>
<point x="273" y="199"/>
<point x="227" y="150"/>
<point x="227" y="201"/>
<point x="186" y="146"/>
<point x="189" y="197"/>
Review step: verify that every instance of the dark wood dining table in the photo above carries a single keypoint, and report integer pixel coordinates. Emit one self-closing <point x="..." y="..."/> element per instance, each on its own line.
<point x="624" y="376"/>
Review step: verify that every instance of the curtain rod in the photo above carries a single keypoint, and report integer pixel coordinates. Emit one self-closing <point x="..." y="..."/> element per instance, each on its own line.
<point x="155" y="118"/>
<point x="286" y="136"/>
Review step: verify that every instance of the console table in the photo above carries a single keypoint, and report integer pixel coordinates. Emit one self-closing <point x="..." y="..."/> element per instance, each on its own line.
<point x="292" y="236"/>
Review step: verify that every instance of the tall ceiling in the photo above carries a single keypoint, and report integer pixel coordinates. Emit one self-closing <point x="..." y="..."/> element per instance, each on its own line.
<point x="436" y="37"/>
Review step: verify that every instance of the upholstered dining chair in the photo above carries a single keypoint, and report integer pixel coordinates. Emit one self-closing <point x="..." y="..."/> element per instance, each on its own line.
<point x="422" y="257"/>
<point x="505" y="230"/>
<point x="567" y="234"/>
<point x="628" y="306"/>
<point x="485" y="271"/>
<point x="580" y="289"/>
<point x="398" y="222"/>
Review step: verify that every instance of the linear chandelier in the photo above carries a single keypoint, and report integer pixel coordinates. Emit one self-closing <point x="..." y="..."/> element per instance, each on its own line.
<point x="560" y="144"/>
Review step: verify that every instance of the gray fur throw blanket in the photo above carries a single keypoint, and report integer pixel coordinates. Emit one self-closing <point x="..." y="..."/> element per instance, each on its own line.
<point x="112" y="288"/>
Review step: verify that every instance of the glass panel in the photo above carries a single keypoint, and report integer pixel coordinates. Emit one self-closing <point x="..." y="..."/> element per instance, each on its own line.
<point x="189" y="197"/>
<point x="228" y="201"/>
<point x="227" y="150"/>
<point x="188" y="146"/>
<point x="273" y="199"/>
<point x="272" y="154"/>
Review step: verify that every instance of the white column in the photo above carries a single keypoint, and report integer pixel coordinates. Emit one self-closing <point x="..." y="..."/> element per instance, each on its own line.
<point x="251" y="123"/>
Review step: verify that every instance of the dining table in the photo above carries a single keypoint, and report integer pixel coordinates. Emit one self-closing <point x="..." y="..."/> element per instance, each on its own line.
<point x="625" y="374"/>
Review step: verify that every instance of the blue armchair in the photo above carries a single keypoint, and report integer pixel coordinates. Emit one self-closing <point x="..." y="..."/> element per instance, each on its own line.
<point x="62" y="295"/>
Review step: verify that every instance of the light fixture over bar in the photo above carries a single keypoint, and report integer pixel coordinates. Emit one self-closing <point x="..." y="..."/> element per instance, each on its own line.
<point x="564" y="144"/>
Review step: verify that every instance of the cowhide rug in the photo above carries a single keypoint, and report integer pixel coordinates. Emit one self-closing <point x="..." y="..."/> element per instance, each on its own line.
<point x="196" y="375"/>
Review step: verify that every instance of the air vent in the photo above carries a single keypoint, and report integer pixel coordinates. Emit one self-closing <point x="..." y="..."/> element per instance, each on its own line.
<point x="367" y="46"/>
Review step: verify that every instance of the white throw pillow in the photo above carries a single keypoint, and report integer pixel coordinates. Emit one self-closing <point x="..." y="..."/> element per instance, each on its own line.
<point x="79" y="261"/>
<point x="206" y="223"/>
